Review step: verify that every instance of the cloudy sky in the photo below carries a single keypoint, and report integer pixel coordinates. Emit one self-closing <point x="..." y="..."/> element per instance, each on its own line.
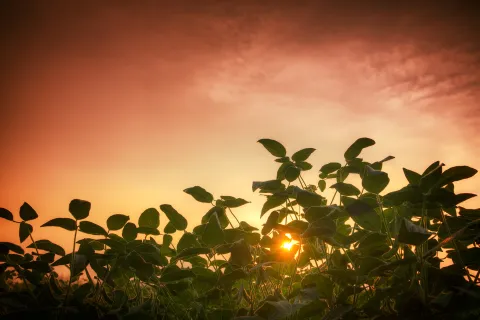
<point x="125" y="104"/>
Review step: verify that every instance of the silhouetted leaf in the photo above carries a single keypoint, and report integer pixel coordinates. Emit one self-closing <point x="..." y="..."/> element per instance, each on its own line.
<point x="268" y="186"/>
<point x="322" y="185"/>
<point x="273" y="201"/>
<point x="80" y="209"/>
<point x="232" y="202"/>
<point x="178" y="221"/>
<point x="6" y="214"/>
<point x="199" y="194"/>
<point x="213" y="233"/>
<point x="92" y="228"/>
<point x="309" y="199"/>
<point x="13" y="247"/>
<point x="276" y="310"/>
<point x="65" y="223"/>
<point x="246" y="227"/>
<point x="412" y="176"/>
<point x="117" y="221"/>
<point x="149" y="218"/>
<point x="292" y="173"/>
<point x="147" y="230"/>
<point x="24" y="231"/>
<point x="364" y="215"/>
<point x="346" y="189"/>
<point x="375" y="181"/>
<point x="174" y="273"/>
<point x="49" y="246"/>
<point x="129" y="232"/>
<point x="455" y="174"/>
<point x="169" y="228"/>
<point x="188" y="252"/>
<point x="412" y="234"/>
<point x="338" y="312"/>
<point x="27" y="212"/>
<point x="330" y="167"/>
<point x="356" y="148"/>
<point x="302" y="155"/>
<point x="274" y="147"/>
<point x="40" y="266"/>
<point x="229" y="278"/>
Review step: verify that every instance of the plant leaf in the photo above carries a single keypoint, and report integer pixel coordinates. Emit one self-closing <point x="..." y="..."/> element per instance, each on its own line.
<point x="13" y="247"/>
<point x="178" y="221"/>
<point x="129" y="232"/>
<point x="273" y="201"/>
<point x="169" y="228"/>
<point x="65" y="223"/>
<point x="455" y="174"/>
<point x="412" y="234"/>
<point x="213" y="233"/>
<point x="322" y="185"/>
<point x="188" y="252"/>
<point x="27" y="212"/>
<point x="346" y="189"/>
<point x="274" y="147"/>
<point x="412" y="176"/>
<point x="330" y="167"/>
<point x="375" y="181"/>
<point x="117" y="221"/>
<point x="92" y="228"/>
<point x="356" y="148"/>
<point x="80" y="209"/>
<point x="199" y="194"/>
<point x="309" y="199"/>
<point x="302" y="155"/>
<point x="364" y="215"/>
<point x="149" y="218"/>
<point x="6" y="214"/>
<point x="292" y="173"/>
<point x="49" y="246"/>
<point x="232" y="202"/>
<point x="24" y="231"/>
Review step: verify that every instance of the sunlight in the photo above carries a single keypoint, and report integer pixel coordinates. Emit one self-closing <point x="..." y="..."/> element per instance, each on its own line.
<point x="287" y="245"/>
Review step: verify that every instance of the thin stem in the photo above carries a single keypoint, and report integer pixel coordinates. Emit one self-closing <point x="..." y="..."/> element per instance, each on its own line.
<point x="72" y="265"/>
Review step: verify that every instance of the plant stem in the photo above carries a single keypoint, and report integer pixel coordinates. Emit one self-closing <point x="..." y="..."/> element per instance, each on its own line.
<point x="72" y="265"/>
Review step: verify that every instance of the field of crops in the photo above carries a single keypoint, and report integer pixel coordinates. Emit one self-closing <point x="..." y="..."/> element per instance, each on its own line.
<point x="363" y="254"/>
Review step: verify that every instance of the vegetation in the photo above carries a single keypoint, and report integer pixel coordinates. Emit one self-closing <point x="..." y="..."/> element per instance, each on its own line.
<point x="360" y="255"/>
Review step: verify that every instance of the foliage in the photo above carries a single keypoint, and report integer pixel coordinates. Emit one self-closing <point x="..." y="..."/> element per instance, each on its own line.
<point x="365" y="254"/>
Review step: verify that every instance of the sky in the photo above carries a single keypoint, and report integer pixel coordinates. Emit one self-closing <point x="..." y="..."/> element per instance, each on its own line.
<point x="126" y="104"/>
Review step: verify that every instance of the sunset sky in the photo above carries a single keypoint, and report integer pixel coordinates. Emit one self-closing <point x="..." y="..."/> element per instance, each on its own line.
<point x="127" y="103"/>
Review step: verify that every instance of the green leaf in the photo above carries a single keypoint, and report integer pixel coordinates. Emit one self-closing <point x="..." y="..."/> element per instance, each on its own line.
<point x="6" y="214"/>
<point x="455" y="174"/>
<point x="375" y="181"/>
<point x="40" y="266"/>
<point x="13" y="247"/>
<point x="322" y="185"/>
<point x="174" y="273"/>
<point x="147" y="230"/>
<point x="189" y="252"/>
<point x="24" y="231"/>
<point x="412" y="234"/>
<point x="199" y="194"/>
<point x="302" y="155"/>
<point x="230" y="278"/>
<point x="113" y="244"/>
<point x="117" y="221"/>
<point x="129" y="232"/>
<point x="273" y="201"/>
<point x="213" y="233"/>
<point x="49" y="246"/>
<point x="188" y="240"/>
<point x="92" y="228"/>
<point x="356" y="148"/>
<point x="338" y="312"/>
<point x="272" y="220"/>
<point x="309" y="199"/>
<point x="269" y="186"/>
<point x="65" y="223"/>
<point x="274" y="147"/>
<point x="412" y="176"/>
<point x="292" y="173"/>
<point x="304" y="166"/>
<point x="167" y="241"/>
<point x="246" y="227"/>
<point x="346" y="189"/>
<point x="169" y="228"/>
<point x="149" y="218"/>
<point x="431" y="176"/>
<point x="178" y="221"/>
<point x="27" y="212"/>
<point x="232" y="202"/>
<point x="364" y="215"/>
<point x="323" y="228"/>
<point x="330" y="167"/>
<point x="277" y="310"/>
<point x="80" y="209"/>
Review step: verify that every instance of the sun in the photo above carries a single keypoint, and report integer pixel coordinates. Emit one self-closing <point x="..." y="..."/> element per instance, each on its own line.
<point x="287" y="245"/>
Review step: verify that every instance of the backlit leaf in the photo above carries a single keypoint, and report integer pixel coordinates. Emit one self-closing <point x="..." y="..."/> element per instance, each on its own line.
<point x="364" y="215"/>
<point x="274" y="147"/>
<point x="129" y="232"/>
<point x="80" y="209"/>
<point x="302" y="155"/>
<point x="199" y="194"/>
<point x="346" y="189"/>
<point x="412" y="234"/>
<point x="375" y="181"/>
<point x="65" y="223"/>
<point x="178" y="221"/>
<point x="6" y="214"/>
<point x="92" y="228"/>
<point x="24" y="231"/>
<point x="27" y="212"/>
<point x="213" y="233"/>
<point x="49" y="246"/>
<point x="356" y="148"/>
<point x="150" y="218"/>
<point x="117" y="221"/>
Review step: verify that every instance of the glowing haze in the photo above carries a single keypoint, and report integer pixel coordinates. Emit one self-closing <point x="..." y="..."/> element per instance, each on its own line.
<point x="127" y="104"/>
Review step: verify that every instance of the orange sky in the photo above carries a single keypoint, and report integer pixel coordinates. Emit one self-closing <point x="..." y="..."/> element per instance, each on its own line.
<point x="126" y="105"/>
